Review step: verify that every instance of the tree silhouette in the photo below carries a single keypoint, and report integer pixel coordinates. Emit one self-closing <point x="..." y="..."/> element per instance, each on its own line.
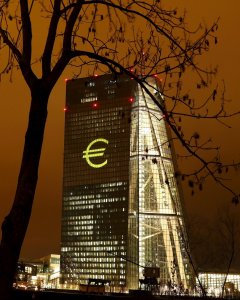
<point x="138" y="38"/>
<point x="227" y="241"/>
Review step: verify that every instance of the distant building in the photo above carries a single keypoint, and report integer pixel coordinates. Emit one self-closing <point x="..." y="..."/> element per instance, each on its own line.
<point x="51" y="267"/>
<point x="213" y="282"/>
<point x="38" y="273"/>
<point x="121" y="209"/>
<point x="25" y="272"/>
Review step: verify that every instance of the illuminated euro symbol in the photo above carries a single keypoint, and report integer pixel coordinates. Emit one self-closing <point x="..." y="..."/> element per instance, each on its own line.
<point x="89" y="153"/>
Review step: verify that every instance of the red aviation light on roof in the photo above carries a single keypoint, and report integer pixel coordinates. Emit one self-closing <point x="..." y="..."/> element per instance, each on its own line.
<point x="156" y="76"/>
<point x="131" y="100"/>
<point x="66" y="80"/>
<point x="132" y="71"/>
<point x="95" y="105"/>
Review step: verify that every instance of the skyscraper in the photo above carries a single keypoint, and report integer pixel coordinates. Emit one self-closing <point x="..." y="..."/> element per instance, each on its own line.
<point x="121" y="206"/>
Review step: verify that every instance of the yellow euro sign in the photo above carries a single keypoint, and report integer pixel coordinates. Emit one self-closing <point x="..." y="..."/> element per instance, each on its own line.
<point x="89" y="153"/>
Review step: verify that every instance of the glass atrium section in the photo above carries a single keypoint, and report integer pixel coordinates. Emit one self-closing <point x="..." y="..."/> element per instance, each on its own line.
<point x="121" y="206"/>
<point x="156" y="229"/>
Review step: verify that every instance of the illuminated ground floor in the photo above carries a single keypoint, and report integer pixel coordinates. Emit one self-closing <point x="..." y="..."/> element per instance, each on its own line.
<point x="44" y="274"/>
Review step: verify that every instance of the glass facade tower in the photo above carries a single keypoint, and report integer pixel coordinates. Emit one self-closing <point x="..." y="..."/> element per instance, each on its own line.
<point x="121" y="207"/>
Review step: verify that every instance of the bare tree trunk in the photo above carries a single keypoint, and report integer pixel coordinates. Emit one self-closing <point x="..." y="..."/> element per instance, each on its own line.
<point x="229" y="263"/>
<point x="15" y="224"/>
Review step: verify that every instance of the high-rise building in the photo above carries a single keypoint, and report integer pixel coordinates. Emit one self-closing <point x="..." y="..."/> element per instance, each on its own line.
<point x="121" y="207"/>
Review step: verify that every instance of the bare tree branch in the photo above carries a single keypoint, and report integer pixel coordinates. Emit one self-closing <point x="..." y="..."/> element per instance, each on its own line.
<point x="47" y="53"/>
<point x="26" y="33"/>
